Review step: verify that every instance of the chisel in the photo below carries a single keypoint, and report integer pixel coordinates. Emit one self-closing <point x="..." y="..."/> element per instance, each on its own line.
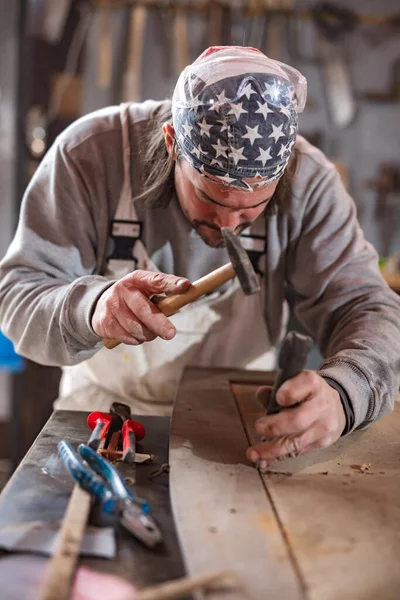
<point x="293" y="357"/>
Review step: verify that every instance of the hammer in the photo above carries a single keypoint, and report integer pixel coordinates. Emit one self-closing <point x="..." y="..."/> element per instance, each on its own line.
<point x="239" y="266"/>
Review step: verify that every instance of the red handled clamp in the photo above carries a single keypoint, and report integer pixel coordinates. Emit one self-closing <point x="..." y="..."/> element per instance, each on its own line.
<point x="132" y="432"/>
<point x="100" y="423"/>
<point x="115" y="434"/>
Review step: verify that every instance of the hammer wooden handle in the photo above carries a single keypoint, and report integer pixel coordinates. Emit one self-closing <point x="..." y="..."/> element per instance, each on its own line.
<point x="171" y="304"/>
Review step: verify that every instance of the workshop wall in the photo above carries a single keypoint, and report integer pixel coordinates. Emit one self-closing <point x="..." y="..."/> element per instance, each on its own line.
<point x="370" y="53"/>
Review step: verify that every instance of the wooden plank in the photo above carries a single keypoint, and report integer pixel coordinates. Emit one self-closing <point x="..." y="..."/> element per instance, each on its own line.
<point x="342" y="524"/>
<point x="222" y="514"/>
<point x="60" y="572"/>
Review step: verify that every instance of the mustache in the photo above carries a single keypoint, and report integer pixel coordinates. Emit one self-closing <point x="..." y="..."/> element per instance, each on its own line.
<point x="196" y="223"/>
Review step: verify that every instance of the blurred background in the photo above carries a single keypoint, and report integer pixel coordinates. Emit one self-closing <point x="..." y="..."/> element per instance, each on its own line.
<point x="60" y="59"/>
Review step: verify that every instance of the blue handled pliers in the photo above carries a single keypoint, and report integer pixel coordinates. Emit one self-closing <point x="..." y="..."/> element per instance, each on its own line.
<point x="116" y="499"/>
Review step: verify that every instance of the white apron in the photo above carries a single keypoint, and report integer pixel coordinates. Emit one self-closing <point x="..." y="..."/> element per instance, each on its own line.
<point x="220" y="330"/>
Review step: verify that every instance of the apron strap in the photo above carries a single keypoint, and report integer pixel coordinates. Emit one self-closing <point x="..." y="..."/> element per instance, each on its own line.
<point x="126" y="150"/>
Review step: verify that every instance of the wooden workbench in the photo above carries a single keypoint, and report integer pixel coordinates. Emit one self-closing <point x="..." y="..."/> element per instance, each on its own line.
<point x="321" y="527"/>
<point x="324" y="526"/>
<point x="39" y="491"/>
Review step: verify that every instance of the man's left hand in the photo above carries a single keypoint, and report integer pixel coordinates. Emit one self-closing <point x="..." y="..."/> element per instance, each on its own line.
<point x="312" y="418"/>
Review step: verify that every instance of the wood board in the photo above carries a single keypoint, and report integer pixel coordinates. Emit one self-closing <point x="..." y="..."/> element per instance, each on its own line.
<point x="317" y="527"/>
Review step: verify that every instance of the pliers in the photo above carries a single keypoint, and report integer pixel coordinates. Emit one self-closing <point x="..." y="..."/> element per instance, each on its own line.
<point x="116" y="500"/>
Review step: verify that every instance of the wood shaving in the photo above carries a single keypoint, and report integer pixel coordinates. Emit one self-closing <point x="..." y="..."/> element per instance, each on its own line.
<point x="362" y="468"/>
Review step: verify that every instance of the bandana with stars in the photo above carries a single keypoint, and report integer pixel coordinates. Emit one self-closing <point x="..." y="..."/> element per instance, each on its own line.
<point x="235" y="115"/>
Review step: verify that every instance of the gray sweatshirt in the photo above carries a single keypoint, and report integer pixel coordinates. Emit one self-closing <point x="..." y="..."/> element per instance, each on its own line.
<point x="51" y="276"/>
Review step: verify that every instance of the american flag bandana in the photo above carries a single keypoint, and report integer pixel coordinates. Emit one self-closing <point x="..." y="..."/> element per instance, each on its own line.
<point x="235" y="115"/>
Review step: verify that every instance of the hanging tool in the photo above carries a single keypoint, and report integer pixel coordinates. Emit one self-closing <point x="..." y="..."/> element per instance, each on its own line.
<point x="216" y="21"/>
<point x="117" y="502"/>
<point x="387" y="206"/>
<point x="334" y="23"/>
<point x="105" y="48"/>
<point x="393" y="93"/>
<point x="163" y="18"/>
<point x="239" y="266"/>
<point x="293" y="357"/>
<point x="256" y="24"/>
<point x="275" y="26"/>
<point x="181" y="38"/>
<point x="132" y="79"/>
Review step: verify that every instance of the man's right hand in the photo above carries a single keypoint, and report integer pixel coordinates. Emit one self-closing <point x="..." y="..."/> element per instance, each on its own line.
<point x="125" y="313"/>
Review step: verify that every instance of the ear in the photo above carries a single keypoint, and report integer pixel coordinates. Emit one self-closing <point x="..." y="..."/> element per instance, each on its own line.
<point x="169" y="138"/>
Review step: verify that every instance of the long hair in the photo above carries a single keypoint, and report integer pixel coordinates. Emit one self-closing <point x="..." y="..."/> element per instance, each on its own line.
<point x="159" y="167"/>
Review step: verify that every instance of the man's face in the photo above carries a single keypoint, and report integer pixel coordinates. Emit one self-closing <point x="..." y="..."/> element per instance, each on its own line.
<point x="210" y="205"/>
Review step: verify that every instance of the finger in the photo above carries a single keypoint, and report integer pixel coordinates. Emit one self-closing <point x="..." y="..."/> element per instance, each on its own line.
<point x="142" y="310"/>
<point x="137" y="330"/>
<point x="154" y="283"/>
<point x="298" y="388"/>
<point x="263" y="395"/>
<point x="286" y="446"/>
<point x="113" y="330"/>
<point x="290" y="421"/>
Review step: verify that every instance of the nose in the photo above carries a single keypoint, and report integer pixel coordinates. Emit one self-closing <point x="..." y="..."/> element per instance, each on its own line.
<point x="228" y="218"/>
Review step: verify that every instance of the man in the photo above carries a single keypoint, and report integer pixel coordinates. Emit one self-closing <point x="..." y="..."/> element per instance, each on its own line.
<point x="130" y="201"/>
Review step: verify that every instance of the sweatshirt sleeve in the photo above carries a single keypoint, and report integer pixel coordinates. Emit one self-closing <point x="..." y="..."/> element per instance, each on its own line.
<point x="342" y="299"/>
<point x="48" y="280"/>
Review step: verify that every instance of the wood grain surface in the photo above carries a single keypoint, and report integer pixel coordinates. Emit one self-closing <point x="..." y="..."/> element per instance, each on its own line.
<point x="340" y="508"/>
<point x="320" y="527"/>
<point x="223" y="516"/>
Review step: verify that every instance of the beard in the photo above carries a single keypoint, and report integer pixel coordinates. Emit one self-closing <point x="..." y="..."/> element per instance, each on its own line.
<point x="211" y="234"/>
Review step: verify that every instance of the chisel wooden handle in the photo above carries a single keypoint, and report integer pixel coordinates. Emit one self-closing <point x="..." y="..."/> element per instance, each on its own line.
<point x="172" y="304"/>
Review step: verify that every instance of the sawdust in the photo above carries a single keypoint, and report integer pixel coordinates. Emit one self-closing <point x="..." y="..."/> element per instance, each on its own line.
<point x="362" y="468"/>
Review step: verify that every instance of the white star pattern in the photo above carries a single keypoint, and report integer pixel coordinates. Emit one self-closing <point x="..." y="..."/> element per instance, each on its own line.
<point x="264" y="109"/>
<point x="220" y="149"/>
<point x="272" y="90"/>
<point x="248" y="91"/>
<point x="282" y="150"/>
<point x="205" y="128"/>
<point x="227" y="179"/>
<point x="264" y="156"/>
<point x="237" y="154"/>
<point x="187" y="129"/>
<point x="196" y="151"/>
<point x="237" y="110"/>
<point x="252" y="134"/>
<point x="291" y="93"/>
<point x="223" y="126"/>
<point x="221" y="99"/>
<point x="216" y="162"/>
<point x="229" y="136"/>
<point x="277" y="132"/>
<point x="278" y="170"/>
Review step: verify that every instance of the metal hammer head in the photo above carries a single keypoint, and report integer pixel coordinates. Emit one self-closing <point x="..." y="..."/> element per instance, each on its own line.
<point x="241" y="262"/>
